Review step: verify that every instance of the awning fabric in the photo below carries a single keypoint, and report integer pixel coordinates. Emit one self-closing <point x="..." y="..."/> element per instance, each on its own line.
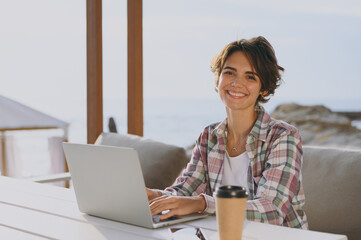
<point x="17" y="116"/>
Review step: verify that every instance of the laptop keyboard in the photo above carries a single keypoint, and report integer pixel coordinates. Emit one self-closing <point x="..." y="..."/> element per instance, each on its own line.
<point x="157" y="220"/>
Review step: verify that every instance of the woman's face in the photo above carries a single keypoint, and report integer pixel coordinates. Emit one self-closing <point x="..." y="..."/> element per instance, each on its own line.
<point x="239" y="86"/>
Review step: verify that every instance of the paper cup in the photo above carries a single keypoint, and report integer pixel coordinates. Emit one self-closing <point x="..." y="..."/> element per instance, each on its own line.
<point x="230" y="211"/>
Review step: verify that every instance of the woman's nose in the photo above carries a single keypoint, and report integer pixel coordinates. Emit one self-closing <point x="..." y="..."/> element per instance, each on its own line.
<point x="237" y="81"/>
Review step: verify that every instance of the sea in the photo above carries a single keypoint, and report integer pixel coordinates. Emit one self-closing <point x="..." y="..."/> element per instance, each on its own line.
<point x="173" y="121"/>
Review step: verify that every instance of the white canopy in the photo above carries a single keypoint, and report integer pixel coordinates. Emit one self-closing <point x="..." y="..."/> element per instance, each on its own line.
<point x="17" y="116"/>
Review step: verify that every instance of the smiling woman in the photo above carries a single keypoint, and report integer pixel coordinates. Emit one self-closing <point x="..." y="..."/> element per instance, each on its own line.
<point x="249" y="148"/>
<point x="261" y="61"/>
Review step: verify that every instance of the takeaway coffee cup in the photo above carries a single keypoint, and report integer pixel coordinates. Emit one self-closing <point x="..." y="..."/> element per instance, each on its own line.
<point x="230" y="211"/>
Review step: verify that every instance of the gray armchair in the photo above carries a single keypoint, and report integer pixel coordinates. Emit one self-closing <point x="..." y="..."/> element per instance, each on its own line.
<point x="332" y="184"/>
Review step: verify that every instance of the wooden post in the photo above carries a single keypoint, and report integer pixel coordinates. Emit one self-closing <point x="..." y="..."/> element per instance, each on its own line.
<point x="94" y="70"/>
<point x="66" y="168"/>
<point x="3" y="155"/>
<point x="135" y="68"/>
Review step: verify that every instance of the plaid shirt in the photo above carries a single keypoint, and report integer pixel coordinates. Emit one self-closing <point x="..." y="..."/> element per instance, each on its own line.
<point x="274" y="174"/>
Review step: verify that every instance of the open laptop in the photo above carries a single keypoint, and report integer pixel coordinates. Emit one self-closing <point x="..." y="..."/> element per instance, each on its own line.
<point x="109" y="183"/>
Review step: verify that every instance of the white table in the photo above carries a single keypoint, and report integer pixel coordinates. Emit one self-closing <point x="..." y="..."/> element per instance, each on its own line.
<point x="35" y="211"/>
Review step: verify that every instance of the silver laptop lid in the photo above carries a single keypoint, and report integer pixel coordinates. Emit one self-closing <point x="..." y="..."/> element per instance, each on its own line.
<point x="108" y="182"/>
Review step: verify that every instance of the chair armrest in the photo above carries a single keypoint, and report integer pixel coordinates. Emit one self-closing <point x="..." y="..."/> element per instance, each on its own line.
<point x="51" y="178"/>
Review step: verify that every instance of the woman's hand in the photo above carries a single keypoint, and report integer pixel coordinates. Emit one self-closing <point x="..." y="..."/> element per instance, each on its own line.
<point x="153" y="193"/>
<point x="177" y="205"/>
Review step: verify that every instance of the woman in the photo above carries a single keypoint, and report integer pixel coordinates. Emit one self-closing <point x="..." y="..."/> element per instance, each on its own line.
<point x="249" y="148"/>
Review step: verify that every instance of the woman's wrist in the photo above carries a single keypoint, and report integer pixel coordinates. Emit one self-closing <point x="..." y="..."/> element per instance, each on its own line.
<point x="158" y="193"/>
<point x="202" y="203"/>
<point x="153" y="193"/>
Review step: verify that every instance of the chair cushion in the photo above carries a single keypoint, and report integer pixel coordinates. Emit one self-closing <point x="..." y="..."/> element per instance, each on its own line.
<point x="161" y="163"/>
<point x="332" y="185"/>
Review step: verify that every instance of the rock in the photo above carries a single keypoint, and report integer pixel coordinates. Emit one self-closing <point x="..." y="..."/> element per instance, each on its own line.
<point x="319" y="126"/>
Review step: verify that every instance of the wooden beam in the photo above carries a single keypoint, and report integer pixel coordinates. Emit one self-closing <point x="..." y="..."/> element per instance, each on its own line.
<point x="66" y="168"/>
<point x="30" y="128"/>
<point x="94" y="70"/>
<point x="135" y="67"/>
<point x="3" y="155"/>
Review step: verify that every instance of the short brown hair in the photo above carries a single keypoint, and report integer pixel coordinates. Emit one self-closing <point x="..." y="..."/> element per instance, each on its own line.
<point x="262" y="58"/>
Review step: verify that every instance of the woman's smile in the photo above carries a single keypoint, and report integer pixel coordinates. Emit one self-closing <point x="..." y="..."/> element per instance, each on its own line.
<point x="236" y="94"/>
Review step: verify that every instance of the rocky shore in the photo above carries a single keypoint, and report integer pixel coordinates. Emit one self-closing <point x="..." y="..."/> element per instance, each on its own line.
<point x="320" y="126"/>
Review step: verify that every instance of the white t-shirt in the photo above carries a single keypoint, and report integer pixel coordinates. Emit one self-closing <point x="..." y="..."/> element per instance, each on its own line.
<point x="236" y="170"/>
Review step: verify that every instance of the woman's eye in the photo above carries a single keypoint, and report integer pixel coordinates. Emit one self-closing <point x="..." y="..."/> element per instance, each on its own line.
<point x="228" y="73"/>
<point x="251" y="77"/>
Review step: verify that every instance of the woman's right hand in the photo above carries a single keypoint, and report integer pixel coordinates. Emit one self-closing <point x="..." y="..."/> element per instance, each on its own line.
<point x="153" y="193"/>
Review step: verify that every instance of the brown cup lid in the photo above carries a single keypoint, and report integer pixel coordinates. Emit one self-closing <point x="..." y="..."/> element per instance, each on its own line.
<point x="229" y="191"/>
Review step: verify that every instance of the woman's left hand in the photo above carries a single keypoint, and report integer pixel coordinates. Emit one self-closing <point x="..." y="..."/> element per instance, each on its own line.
<point x="177" y="205"/>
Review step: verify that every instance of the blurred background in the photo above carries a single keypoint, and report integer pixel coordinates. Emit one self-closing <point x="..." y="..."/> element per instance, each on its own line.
<point x="43" y="62"/>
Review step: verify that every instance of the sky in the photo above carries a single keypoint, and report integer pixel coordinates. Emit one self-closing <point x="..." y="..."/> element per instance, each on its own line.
<point x="43" y="49"/>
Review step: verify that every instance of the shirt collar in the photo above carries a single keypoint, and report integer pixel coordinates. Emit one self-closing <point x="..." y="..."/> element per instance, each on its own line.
<point x="220" y="129"/>
<point x="259" y="130"/>
<point x="260" y="127"/>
